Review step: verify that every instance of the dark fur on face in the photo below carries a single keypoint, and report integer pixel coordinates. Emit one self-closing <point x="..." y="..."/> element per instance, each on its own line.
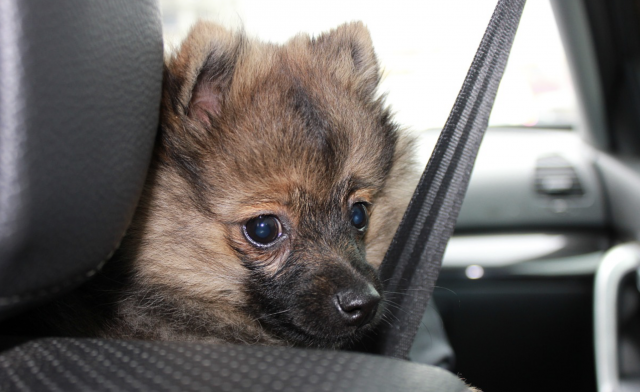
<point x="252" y="129"/>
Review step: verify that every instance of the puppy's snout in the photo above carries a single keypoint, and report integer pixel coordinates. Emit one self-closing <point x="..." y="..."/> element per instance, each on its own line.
<point x="357" y="307"/>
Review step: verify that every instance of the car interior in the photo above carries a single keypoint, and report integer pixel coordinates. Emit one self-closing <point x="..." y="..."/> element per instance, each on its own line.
<point x="547" y="211"/>
<point x="539" y="286"/>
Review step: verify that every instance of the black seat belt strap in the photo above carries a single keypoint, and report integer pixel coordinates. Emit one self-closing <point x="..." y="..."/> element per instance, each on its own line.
<point x="412" y="263"/>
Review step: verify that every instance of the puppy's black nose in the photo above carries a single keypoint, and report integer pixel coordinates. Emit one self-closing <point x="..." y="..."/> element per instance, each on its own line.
<point x="357" y="307"/>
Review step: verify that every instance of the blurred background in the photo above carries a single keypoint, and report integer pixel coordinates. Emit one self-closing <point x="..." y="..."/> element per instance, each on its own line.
<point x="425" y="49"/>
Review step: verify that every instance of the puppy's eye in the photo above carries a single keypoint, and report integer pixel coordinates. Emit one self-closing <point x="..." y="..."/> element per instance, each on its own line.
<point x="263" y="229"/>
<point x="359" y="216"/>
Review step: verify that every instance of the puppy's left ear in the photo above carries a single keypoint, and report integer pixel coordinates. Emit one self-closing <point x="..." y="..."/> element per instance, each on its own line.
<point x="199" y="75"/>
<point x="349" y="51"/>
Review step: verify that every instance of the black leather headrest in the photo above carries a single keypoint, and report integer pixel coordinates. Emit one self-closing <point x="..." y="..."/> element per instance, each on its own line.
<point x="80" y="85"/>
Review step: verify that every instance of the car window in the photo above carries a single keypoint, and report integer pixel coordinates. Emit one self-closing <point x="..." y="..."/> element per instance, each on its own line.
<point x="425" y="49"/>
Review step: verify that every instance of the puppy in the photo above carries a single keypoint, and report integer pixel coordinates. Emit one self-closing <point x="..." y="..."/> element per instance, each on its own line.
<point x="277" y="183"/>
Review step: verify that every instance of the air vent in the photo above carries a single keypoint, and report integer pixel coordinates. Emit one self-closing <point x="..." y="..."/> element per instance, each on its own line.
<point x="555" y="176"/>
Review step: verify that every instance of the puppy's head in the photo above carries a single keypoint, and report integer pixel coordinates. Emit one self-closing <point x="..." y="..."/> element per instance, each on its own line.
<point x="279" y="181"/>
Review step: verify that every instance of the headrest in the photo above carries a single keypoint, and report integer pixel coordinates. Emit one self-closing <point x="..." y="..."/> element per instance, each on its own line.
<point x="80" y="85"/>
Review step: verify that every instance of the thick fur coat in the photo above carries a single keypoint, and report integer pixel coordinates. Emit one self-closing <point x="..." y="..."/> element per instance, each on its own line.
<point x="253" y="130"/>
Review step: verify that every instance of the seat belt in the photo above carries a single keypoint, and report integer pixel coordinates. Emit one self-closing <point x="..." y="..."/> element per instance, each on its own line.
<point x="412" y="262"/>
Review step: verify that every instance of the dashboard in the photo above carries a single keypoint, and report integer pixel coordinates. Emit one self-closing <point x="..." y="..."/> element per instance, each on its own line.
<point x="516" y="288"/>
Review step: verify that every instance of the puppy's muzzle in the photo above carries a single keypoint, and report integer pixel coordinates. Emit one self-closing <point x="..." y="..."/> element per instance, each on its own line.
<point x="357" y="307"/>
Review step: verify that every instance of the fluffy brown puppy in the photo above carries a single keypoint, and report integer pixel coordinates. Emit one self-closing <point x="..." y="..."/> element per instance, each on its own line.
<point x="277" y="183"/>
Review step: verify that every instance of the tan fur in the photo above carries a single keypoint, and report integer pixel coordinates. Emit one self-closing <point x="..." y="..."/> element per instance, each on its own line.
<point x="391" y="203"/>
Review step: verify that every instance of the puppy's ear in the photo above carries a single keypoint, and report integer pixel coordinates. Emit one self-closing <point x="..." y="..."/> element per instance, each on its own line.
<point x="349" y="51"/>
<point x="198" y="76"/>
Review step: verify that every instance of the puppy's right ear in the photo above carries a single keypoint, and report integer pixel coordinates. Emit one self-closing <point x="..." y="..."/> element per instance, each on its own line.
<point x="198" y="76"/>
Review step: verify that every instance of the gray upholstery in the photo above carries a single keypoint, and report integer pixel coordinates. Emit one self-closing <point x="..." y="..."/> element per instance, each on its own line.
<point x="102" y="365"/>
<point x="80" y="85"/>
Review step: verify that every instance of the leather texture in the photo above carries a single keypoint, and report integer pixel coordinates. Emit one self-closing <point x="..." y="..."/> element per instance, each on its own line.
<point x="80" y="85"/>
<point x="103" y="365"/>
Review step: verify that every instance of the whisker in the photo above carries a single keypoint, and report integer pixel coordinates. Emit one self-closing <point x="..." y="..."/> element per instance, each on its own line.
<point x="393" y="305"/>
<point x="270" y="314"/>
<point x="445" y="288"/>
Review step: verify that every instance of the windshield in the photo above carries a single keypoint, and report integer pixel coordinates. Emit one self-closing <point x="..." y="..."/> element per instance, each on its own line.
<point x="425" y="48"/>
